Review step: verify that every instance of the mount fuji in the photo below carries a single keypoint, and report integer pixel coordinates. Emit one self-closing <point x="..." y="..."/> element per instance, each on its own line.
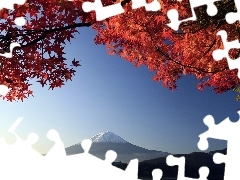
<point x="107" y="137"/>
<point x="104" y="141"/>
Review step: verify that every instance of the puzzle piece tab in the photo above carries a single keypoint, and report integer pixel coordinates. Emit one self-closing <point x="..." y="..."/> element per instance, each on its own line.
<point x="12" y="46"/>
<point x="232" y="17"/>
<point x="58" y="149"/>
<point x="20" y="161"/>
<point x="9" y="4"/>
<point x="115" y="9"/>
<point x="153" y="6"/>
<point x="174" y="16"/>
<point x="102" y="12"/>
<point x="180" y="162"/>
<point x="20" y="21"/>
<point x="223" y="53"/>
<point x="103" y="169"/>
<point x="3" y="90"/>
<point x="229" y="131"/>
<point x="157" y="174"/>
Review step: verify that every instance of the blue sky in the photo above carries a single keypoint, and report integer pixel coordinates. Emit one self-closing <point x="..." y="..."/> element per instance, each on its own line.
<point x="110" y="94"/>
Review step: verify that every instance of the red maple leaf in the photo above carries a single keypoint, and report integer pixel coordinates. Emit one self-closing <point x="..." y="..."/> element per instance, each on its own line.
<point x="75" y="63"/>
<point x="136" y="35"/>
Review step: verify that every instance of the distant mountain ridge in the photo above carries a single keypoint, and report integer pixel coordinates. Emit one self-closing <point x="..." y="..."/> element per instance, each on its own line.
<point x="193" y="162"/>
<point x="102" y="142"/>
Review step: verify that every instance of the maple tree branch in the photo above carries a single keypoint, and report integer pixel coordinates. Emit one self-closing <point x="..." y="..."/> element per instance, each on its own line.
<point x="46" y="32"/>
<point x="169" y="58"/>
<point x="205" y="53"/>
<point x="189" y="66"/>
<point x="211" y="46"/>
<point x="183" y="65"/>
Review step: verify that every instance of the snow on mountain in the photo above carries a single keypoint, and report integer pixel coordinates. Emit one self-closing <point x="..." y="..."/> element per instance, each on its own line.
<point x="107" y="137"/>
<point x="104" y="141"/>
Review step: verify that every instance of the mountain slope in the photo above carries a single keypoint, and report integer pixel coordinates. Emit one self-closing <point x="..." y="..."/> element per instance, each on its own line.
<point x="126" y="151"/>
<point x="107" y="137"/>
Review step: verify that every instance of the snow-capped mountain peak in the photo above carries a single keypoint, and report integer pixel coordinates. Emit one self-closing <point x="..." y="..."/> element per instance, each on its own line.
<point x="107" y="137"/>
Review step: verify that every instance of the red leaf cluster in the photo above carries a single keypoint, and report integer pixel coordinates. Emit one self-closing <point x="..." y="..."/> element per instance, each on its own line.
<point x="41" y="55"/>
<point x="139" y="36"/>
<point x="143" y="38"/>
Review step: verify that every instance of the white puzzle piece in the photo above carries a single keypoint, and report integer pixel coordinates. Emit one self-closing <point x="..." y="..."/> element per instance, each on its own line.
<point x="21" y="161"/>
<point x="20" y="21"/>
<point x="102" y="12"/>
<point x="9" y="4"/>
<point x="180" y="162"/>
<point x="115" y="9"/>
<point x="219" y="54"/>
<point x="174" y="16"/>
<point x="232" y="17"/>
<point x="229" y="131"/>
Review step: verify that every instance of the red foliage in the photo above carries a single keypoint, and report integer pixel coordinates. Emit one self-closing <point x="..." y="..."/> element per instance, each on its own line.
<point x="143" y="38"/>
<point x="42" y="42"/>
<point x="138" y="36"/>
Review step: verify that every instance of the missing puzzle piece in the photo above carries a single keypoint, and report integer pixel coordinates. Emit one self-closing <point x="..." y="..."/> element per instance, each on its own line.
<point x="115" y="9"/>
<point x="58" y="149"/>
<point x="232" y="17"/>
<point x="229" y="131"/>
<point x="173" y="15"/>
<point x="224" y="53"/>
<point x="3" y="90"/>
<point x="103" y="169"/>
<point x="102" y="12"/>
<point x="153" y="6"/>
<point x="157" y="174"/>
<point x="9" y="4"/>
<point x="180" y="162"/>
<point x="12" y="46"/>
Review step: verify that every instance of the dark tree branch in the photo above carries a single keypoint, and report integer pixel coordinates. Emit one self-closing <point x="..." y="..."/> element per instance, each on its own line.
<point x="124" y="2"/>
<point x="46" y="32"/>
<point x="184" y="65"/>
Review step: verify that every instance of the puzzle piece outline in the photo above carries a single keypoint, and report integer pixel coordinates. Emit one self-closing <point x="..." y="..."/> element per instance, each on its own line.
<point x="219" y="54"/>
<point x="232" y="17"/>
<point x="180" y="162"/>
<point x="110" y="155"/>
<point x="10" y="4"/>
<point x="103" y="12"/>
<point x="173" y="15"/>
<point x="215" y="131"/>
<point x="57" y="158"/>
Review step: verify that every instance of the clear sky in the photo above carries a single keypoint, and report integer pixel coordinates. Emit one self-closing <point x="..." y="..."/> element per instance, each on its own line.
<point x="110" y="94"/>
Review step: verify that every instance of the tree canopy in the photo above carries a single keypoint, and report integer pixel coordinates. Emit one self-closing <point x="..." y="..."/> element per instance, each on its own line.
<point x="139" y="36"/>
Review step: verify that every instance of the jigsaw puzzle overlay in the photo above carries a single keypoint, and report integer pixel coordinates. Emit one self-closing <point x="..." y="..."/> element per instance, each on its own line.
<point x="20" y="21"/>
<point x="112" y="10"/>
<point x="232" y="158"/>
<point x="180" y="162"/>
<point x="115" y="9"/>
<point x="21" y="161"/>
<point x="173" y="14"/>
